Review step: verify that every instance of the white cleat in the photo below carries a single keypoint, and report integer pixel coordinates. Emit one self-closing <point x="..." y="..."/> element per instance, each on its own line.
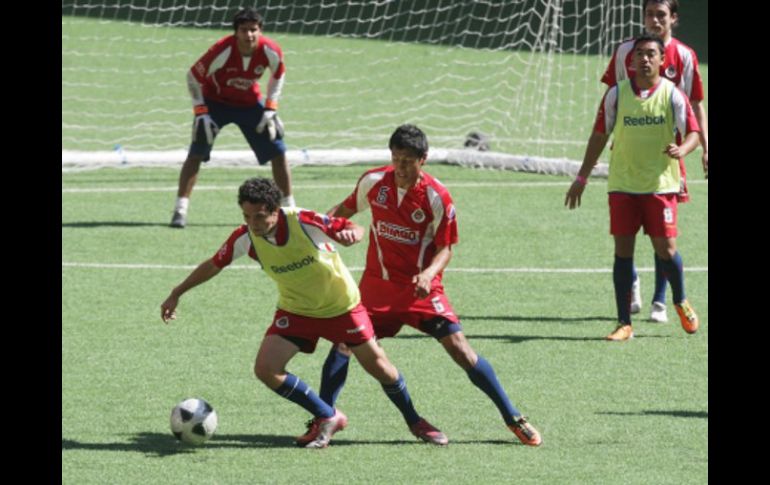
<point x="658" y="313"/>
<point x="636" y="296"/>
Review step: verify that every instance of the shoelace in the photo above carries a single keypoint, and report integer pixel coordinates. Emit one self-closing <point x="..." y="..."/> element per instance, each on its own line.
<point x="687" y="312"/>
<point x="521" y="424"/>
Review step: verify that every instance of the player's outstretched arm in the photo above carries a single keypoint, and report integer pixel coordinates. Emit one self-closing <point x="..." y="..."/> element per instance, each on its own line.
<point x="340" y="210"/>
<point x="596" y="144"/>
<point x="204" y="272"/>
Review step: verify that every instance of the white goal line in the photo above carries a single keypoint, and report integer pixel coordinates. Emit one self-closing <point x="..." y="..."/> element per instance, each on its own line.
<point x="695" y="269"/>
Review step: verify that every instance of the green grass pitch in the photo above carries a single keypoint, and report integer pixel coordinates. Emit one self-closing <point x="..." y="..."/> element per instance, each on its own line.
<point x="633" y="413"/>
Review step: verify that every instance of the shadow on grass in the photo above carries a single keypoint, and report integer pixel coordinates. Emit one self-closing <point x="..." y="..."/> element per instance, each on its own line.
<point x="509" y="318"/>
<point x="655" y="412"/>
<point x="161" y="444"/>
<point x="517" y="339"/>
<point x="96" y="224"/>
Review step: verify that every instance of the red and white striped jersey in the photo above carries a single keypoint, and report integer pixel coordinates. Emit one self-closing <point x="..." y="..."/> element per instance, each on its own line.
<point x="228" y="77"/>
<point x="320" y="228"/>
<point x="680" y="66"/>
<point x="407" y="225"/>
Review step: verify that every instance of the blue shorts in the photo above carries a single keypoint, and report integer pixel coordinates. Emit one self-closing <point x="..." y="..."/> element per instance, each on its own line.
<point x="247" y="120"/>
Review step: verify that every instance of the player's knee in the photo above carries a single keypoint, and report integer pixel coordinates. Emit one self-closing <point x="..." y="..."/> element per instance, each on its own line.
<point x="266" y="374"/>
<point x="384" y="372"/>
<point x="193" y="161"/>
<point x="343" y="349"/>
<point x="665" y="249"/>
<point x="381" y="369"/>
<point x="460" y="350"/>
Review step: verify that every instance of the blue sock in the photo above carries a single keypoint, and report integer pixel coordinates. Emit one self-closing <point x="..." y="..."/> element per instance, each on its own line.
<point x="660" y="282"/>
<point x="483" y="376"/>
<point x="333" y="375"/>
<point x="623" y="278"/>
<point x="399" y="394"/>
<point x="674" y="270"/>
<point x="295" y="390"/>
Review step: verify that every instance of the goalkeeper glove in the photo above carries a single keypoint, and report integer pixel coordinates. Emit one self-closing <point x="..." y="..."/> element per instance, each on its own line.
<point x="204" y="127"/>
<point x="273" y="123"/>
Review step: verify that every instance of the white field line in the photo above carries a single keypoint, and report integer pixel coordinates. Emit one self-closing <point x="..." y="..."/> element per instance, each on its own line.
<point x="85" y="190"/>
<point x="254" y="266"/>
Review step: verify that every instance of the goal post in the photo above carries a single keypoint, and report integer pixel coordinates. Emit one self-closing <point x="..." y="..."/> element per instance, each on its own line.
<point x="524" y="73"/>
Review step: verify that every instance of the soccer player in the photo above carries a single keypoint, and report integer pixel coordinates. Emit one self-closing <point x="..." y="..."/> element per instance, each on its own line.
<point x="317" y="298"/>
<point x="647" y="116"/>
<point x="224" y="86"/>
<point x="680" y="65"/>
<point x="412" y="233"/>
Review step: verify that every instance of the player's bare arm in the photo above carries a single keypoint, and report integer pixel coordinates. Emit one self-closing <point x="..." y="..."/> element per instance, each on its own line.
<point x="596" y="145"/>
<point x="679" y="151"/>
<point x="204" y="272"/>
<point x="340" y="210"/>
<point x="422" y="280"/>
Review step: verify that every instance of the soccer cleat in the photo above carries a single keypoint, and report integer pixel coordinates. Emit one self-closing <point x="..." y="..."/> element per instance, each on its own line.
<point x="428" y="433"/>
<point x="310" y="434"/>
<point x="622" y="333"/>
<point x="321" y="430"/>
<point x="178" y="220"/>
<point x="658" y="312"/>
<point x="526" y="432"/>
<point x="687" y="317"/>
<point x="636" y="296"/>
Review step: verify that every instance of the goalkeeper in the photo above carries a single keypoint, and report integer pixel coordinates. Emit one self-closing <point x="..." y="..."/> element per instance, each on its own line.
<point x="224" y="88"/>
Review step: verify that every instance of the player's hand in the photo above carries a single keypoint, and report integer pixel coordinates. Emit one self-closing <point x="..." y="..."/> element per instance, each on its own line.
<point x="168" y="309"/>
<point x="272" y="123"/>
<point x="347" y="237"/>
<point x="705" y="162"/>
<point x="350" y="235"/>
<point x="422" y="283"/>
<point x="204" y="128"/>
<point x="673" y="151"/>
<point x="574" y="194"/>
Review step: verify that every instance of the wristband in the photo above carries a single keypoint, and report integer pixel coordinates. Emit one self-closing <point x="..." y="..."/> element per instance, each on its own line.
<point x="270" y="104"/>
<point x="581" y="180"/>
<point x="200" y="109"/>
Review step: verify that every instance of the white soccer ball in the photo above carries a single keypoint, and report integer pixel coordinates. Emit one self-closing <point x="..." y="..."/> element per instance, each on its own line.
<point x="193" y="421"/>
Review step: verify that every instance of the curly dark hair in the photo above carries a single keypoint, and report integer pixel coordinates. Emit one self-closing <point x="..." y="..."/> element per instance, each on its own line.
<point x="247" y="14"/>
<point x="259" y="190"/>
<point x="646" y="37"/>
<point x="409" y="137"/>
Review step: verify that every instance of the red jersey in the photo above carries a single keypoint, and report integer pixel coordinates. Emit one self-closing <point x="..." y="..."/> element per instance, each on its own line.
<point x="228" y="77"/>
<point x="680" y="66"/>
<point x="407" y="225"/>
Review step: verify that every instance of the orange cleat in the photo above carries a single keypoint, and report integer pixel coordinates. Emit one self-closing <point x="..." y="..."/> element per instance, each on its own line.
<point x="622" y="333"/>
<point x="687" y="317"/>
<point x="526" y="433"/>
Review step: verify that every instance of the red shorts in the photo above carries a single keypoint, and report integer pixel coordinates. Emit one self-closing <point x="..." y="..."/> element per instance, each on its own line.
<point x="351" y="328"/>
<point x="656" y="213"/>
<point x="391" y="305"/>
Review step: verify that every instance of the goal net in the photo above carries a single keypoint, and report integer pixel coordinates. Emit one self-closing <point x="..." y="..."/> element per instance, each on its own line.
<point x="524" y="74"/>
